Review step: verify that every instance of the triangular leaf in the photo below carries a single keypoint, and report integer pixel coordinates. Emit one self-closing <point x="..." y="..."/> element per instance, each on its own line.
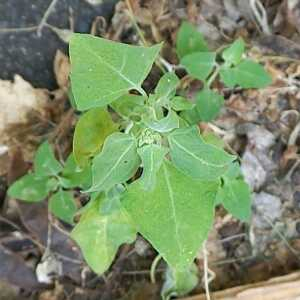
<point x="29" y="188"/>
<point x="199" y="64"/>
<point x="117" y="162"/>
<point x="152" y="157"/>
<point x="194" y="157"/>
<point x="166" y="86"/>
<point x="90" y="133"/>
<point x="247" y="74"/>
<point x="209" y="104"/>
<point x="45" y="163"/>
<point x="62" y="205"/>
<point x="73" y="176"/>
<point x="104" y="70"/>
<point x="175" y="216"/>
<point x="235" y="195"/>
<point x="189" y="40"/>
<point x="99" y="234"/>
<point x="129" y="106"/>
<point x="166" y="124"/>
<point x="233" y="54"/>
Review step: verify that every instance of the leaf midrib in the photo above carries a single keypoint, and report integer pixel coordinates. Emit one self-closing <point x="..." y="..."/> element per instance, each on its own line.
<point x="135" y="86"/>
<point x="173" y="208"/>
<point x="116" y="164"/>
<point x="196" y="157"/>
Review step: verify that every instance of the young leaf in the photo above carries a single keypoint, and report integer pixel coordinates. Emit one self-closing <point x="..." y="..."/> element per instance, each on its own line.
<point x="179" y="283"/>
<point x="74" y="176"/>
<point x="99" y="234"/>
<point x="166" y="86"/>
<point x="233" y="54"/>
<point x="104" y="70"/>
<point x="191" y="116"/>
<point x="194" y="157"/>
<point x="152" y="157"/>
<point x="247" y="74"/>
<point x="117" y="162"/>
<point x="189" y="40"/>
<point x="45" y="163"/>
<point x="235" y="195"/>
<point x="209" y="104"/>
<point x="165" y="124"/>
<point x="227" y="75"/>
<point x="29" y="188"/>
<point x="199" y="64"/>
<point x="129" y="105"/>
<point x="175" y="216"/>
<point x="179" y="103"/>
<point x="62" y="205"/>
<point x="90" y="132"/>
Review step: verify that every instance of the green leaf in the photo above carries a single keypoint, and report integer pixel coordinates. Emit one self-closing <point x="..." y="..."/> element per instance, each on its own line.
<point x="212" y="139"/>
<point x="91" y="130"/>
<point x="194" y="157"/>
<point x="45" y="163"/>
<point x="167" y="85"/>
<point x="233" y="54"/>
<point x="62" y="205"/>
<point x="99" y="234"/>
<point x="234" y="171"/>
<point x="175" y="216"/>
<point x="152" y="157"/>
<point x="179" y="103"/>
<point x="129" y="106"/>
<point x="117" y="162"/>
<point x="199" y="64"/>
<point x="189" y="40"/>
<point x="166" y="124"/>
<point x="209" y="104"/>
<point x="74" y="176"/>
<point x="29" y="188"/>
<point x="179" y="283"/>
<point x="227" y="75"/>
<point x="235" y="195"/>
<point x="247" y="74"/>
<point x="104" y="70"/>
<point x="191" y="116"/>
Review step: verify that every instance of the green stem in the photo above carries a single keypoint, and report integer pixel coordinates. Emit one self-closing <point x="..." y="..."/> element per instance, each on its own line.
<point x="153" y="268"/>
<point x="213" y="76"/>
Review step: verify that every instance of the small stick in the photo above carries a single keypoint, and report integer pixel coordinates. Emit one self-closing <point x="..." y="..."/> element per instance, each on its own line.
<point x="205" y="265"/>
<point x="45" y="17"/>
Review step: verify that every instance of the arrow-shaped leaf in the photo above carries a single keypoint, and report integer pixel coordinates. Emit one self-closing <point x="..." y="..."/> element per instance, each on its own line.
<point x="117" y="162"/>
<point x="99" y="233"/>
<point x="104" y="70"/>
<point x="194" y="157"/>
<point x="175" y="216"/>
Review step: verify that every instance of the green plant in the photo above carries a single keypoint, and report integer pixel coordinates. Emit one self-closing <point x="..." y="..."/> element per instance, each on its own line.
<point x="152" y="172"/>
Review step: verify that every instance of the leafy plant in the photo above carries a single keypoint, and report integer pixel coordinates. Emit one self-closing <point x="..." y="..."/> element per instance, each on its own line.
<point x="150" y="171"/>
<point x="50" y="179"/>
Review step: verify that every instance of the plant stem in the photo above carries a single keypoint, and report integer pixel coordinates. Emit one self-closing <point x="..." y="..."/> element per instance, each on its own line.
<point x="205" y="265"/>
<point x="153" y="267"/>
<point x="213" y="76"/>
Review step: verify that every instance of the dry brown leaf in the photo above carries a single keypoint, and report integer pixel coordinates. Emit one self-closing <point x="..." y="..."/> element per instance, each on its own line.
<point x="61" y="69"/>
<point x="17" y="99"/>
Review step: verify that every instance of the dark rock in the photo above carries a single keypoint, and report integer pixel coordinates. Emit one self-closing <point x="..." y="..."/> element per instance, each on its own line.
<point x="30" y="55"/>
